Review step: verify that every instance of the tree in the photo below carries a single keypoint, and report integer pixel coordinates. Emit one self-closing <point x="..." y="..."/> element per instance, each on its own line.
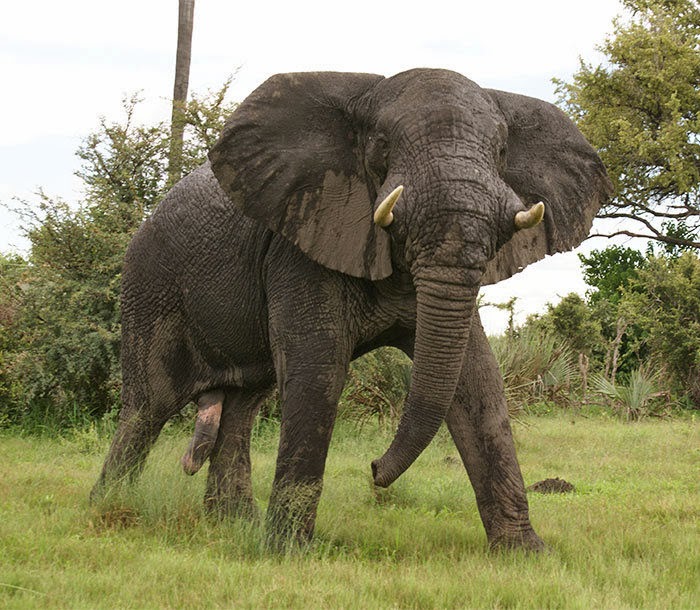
<point x="608" y="271"/>
<point x="59" y="310"/>
<point x="572" y="321"/>
<point x="182" y="78"/>
<point x="641" y="110"/>
<point x="664" y="299"/>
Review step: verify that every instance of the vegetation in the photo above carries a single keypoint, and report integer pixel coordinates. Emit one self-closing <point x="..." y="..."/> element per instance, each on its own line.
<point x="59" y="308"/>
<point x="639" y="323"/>
<point x="624" y="539"/>
<point x="596" y="365"/>
<point x="641" y="109"/>
<point x="638" y="326"/>
<point x="627" y="351"/>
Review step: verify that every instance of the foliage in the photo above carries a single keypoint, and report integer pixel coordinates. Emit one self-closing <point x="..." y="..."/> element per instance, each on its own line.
<point x="377" y="385"/>
<point x="573" y="323"/>
<point x="608" y="271"/>
<point x="664" y="299"/>
<point x="12" y="268"/>
<point x="535" y="365"/>
<point x="641" y="110"/>
<point x="60" y="345"/>
<point x="642" y="315"/>
<point x="640" y="397"/>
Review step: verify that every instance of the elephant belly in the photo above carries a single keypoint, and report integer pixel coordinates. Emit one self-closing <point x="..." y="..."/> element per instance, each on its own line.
<point x="225" y="317"/>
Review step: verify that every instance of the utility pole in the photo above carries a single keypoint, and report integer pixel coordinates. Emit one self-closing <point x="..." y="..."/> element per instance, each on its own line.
<point x="182" y="81"/>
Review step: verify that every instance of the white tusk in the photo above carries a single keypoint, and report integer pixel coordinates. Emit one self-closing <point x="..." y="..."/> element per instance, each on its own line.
<point x="384" y="215"/>
<point x="531" y="218"/>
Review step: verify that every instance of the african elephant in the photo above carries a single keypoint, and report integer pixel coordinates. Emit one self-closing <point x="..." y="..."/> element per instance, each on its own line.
<point x="338" y="213"/>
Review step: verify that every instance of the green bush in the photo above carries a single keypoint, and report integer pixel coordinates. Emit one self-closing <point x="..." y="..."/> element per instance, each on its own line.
<point x="664" y="299"/>
<point x="536" y="366"/>
<point x="59" y="309"/>
<point x="642" y="396"/>
<point x="376" y="386"/>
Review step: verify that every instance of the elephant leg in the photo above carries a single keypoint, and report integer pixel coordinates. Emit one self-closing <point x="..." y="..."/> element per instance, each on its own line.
<point x="136" y="433"/>
<point x="229" y="490"/>
<point x="309" y="395"/>
<point x="479" y="424"/>
<point x="150" y="397"/>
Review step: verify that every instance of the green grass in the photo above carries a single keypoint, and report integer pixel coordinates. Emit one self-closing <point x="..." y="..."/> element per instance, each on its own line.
<point x="627" y="538"/>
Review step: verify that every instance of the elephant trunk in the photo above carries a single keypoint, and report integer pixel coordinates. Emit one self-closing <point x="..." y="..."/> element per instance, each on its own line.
<point x="444" y="313"/>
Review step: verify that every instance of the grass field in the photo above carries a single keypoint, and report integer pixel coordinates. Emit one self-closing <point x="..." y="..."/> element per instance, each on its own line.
<point x="626" y="538"/>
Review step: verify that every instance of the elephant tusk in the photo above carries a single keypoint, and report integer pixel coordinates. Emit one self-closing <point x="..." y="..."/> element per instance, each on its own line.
<point x="531" y="218"/>
<point x="384" y="215"/>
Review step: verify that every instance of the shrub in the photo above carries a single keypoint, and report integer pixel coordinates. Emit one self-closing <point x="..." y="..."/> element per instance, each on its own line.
<point x="60" y="314"/>
<point x="536" y="366"/>
<point x="377" y="385"/>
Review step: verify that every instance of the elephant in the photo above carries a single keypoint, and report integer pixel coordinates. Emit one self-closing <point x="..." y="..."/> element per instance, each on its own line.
<point x="337" y="213"/>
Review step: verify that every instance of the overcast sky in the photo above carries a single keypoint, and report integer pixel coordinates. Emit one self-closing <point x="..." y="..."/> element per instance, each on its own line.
<point x="64" y="64"/>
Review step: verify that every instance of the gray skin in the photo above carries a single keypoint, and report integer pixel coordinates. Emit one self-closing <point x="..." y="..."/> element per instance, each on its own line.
<point x="265" y="267"/>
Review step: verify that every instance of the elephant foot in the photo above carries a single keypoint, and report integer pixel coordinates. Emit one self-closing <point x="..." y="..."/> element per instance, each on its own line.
<point x="291" y="517"/>
<point x="287" y="537"/>
<point x="232" y="508"/>
<point x="525" y="540"/>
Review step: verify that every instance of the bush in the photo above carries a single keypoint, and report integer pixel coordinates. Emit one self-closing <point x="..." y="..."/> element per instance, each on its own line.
<point x="59" y="312"/>
<point x="536" y="366"/>
<point x="377" y="386"/>
<point x="664" y="299"/>
<point x="640" y="397"/>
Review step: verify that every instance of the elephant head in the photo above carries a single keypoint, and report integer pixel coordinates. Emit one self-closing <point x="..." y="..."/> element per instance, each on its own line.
<point x="313" y="156"/>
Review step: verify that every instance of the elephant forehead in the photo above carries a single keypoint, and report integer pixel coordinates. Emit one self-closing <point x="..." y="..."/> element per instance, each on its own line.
<point x="426" y="83"/>
<point x="468" y="123"/>
<point x="433" y="89"/>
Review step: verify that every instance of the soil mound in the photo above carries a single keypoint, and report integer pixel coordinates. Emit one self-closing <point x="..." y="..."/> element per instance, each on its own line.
<point x="552" y="486"/>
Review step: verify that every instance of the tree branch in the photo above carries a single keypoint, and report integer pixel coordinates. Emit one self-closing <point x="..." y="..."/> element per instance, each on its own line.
<point x="674" y="241"/>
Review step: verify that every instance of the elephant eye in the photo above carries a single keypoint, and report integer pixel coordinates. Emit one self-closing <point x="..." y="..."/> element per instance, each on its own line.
<point x="502" y="158"/>
<point x="376" y="156"/>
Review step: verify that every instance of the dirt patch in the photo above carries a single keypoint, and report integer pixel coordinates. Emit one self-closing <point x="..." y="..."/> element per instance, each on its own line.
<point x="552" y="486"/>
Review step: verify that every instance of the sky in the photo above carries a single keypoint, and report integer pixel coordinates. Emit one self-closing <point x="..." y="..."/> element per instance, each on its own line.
<point x="66" y="64"/>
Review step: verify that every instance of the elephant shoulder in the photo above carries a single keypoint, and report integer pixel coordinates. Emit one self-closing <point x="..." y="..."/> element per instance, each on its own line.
<point x="197" y="208"/>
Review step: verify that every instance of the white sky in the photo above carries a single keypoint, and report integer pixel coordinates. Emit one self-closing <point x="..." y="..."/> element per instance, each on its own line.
<point x="64" y="64"/>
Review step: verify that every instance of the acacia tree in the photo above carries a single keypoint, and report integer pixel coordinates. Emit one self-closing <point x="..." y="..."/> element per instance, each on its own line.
<point x="641" y="110"/>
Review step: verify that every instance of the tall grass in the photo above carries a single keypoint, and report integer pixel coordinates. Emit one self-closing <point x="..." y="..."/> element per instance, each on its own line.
<point x="624" y="539"/>
<point x="376" y="386"/>
<point x="535" y="367"/>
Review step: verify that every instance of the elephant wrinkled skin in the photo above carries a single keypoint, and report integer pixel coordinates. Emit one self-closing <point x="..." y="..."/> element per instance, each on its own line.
<point x="266" y="266"/>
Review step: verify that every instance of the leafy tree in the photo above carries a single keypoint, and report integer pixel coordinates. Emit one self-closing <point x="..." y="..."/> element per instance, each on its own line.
<point x="12" y="267"/>
<point x="573" y="323"/>
<point x="664" y="299"/>
<point x="641" y="109"/>
<point x="60" y="341"/>
<point x="608" y="271"/>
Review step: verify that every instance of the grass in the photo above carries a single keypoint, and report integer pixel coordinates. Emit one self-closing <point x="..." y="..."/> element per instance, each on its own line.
<point x="627" y="538"/>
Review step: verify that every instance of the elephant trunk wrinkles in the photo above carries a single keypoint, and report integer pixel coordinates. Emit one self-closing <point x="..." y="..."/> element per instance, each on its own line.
<point x="442" y="328"/>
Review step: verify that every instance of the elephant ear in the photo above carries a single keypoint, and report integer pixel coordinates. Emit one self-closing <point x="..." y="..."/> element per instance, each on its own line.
<point x="288" y="157"/>
<point x="549" y="160"/>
